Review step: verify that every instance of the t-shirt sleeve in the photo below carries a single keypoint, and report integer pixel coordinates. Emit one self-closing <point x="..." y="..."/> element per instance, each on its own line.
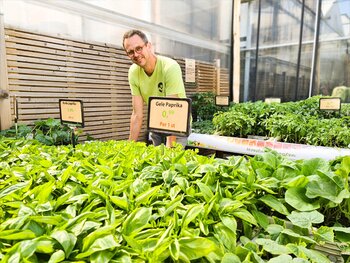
<point x="133" y="81"/>
<point x="174" y="81"/>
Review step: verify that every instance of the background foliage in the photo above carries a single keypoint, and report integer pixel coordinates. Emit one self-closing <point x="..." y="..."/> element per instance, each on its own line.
<point x="294" y="122"/>
<point x="49" y="132"/>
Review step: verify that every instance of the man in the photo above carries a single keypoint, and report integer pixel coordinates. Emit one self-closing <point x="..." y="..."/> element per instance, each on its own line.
<point x="150" y="75"/>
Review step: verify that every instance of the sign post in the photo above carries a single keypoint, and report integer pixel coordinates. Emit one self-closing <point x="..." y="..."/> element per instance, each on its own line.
<point x="169" y="115"/>
<point x="71" y="113"/>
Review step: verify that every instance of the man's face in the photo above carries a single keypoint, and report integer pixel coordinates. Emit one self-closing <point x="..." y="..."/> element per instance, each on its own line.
<point x="137" y="50"/>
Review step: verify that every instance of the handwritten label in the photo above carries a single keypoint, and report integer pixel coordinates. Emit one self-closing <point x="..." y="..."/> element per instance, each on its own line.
<point x="222" y="100"/>
<point x="272" y="100"/>
<point x="71" y="112"/>
<point x="330" y="104"/>
<point x="169" y="115"/>
<point x="190" y="70"/>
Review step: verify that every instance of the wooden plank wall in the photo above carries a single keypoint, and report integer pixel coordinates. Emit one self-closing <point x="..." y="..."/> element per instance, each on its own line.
<point x="224" y="81"/>
<point x="43" y="69"/>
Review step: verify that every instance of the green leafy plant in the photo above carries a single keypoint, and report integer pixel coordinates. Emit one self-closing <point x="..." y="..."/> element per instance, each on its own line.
<point x="49" y="132"/>
<point x="295" y="122"/>
<point x="204" y="107"/>
<point x="125" y="201"/>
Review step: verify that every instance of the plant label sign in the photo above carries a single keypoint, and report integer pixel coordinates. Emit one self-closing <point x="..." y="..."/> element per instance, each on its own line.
<point x="330" y="104"/>
<point x="71" y="112"/>
<point x="169" y="115"/>
<point x="190" y="70"/>
<point x="222" y="100"/>
<point x="272" y="100"/>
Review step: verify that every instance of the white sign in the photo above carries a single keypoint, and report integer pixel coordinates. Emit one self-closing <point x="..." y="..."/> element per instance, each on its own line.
<point x="190" y="70"/>
<point x="71" y="112"/>
<point x="222" y="100"/>
<point x="330" y="104"/>
<point x="272" y="100"/>
<point x="169" y="115"/>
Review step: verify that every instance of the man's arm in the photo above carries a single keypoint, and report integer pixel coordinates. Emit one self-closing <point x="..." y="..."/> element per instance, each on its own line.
<point x="136" y="117"/>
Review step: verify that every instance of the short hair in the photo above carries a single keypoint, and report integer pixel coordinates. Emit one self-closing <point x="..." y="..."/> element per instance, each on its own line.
<point x="133" y="32"/>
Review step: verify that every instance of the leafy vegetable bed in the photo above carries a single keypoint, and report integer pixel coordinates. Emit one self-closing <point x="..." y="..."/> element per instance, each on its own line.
<point x="126" y="202"/>
<point x="294" y="122"/>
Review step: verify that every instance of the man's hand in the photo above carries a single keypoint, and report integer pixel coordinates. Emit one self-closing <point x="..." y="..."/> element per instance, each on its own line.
<point x="170" y="141"/>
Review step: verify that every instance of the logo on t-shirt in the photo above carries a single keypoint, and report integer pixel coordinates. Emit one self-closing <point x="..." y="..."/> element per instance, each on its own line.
<point x="160" y="86"/>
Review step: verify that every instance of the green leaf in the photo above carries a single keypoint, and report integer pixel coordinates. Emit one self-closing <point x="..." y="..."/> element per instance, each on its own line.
<point x="102" y="243"/>
<point x="172" y="205"/>
<point x="324" y="186"/>
<point x="16" y="234"/>
<point x="50" y="220"/>
<point x="229" y="222"/>
<point x="305" y="219"/>
<point x="298" y="181"/>
<point x="205" y="168"/>
<point x="261" y="218"/>
<point x="191" y="214"/>
<point x="281" y="258"/>
<point x="66" y="240"/>
<point x="312" y="166"/>
<point x="145" y="196"/>
<point x="341" y="229"/>
<point x="225" y="236"/>
<point x="314" y="255"/>
<point x="228" y="205"/>
<point x="196" y="247"/>
<point x="272" y="246"/>
<point x="98" y="233"/>
<point x="342" y="233"/>
<point x="136" y="221"/>
<point x="182" y="183"/>
<point x="13" y="188"/>
<point x="102" y="256"/>
<point x="205" y="191"/>
<point x="175" y="249"/>
<point x="84" y="226"/>
<point x="21" y="250"/>
<point x="324" y="233"/>
<point x="230" y="258"/>
<point x="275" y="204"/>
<point x="300" y="237"/>
<point x="45" y="245"/>
<point x="296" y="197"/>
<point x="121" y="202"/>
<point x="245" y="215"/>
<point x="169" y="176"/>
<point x="57" y="256"/>
<point x="274" y="230"/>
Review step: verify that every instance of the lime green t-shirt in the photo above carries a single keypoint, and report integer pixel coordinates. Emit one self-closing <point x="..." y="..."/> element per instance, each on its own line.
<point x="166" y="80"/>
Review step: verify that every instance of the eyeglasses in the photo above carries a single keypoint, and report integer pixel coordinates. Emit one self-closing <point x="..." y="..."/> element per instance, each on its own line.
<point x="137" y="50"/>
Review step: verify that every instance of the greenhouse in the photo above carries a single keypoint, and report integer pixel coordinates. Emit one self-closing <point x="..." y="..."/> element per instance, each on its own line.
<point x="174" y="131"/>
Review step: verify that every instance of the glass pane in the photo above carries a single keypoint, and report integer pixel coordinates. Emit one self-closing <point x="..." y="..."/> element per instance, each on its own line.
<point x="283" y="68"/>
<point x="333" y="69"/>
<point x="276" y="74"/>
